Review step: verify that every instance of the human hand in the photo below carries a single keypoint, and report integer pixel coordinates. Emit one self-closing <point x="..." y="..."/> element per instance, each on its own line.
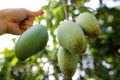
<point x="16" y="21"/>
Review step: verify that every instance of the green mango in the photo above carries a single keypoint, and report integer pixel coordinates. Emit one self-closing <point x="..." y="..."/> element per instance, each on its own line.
<point x="67" y="62"/>
<point x="89" y="24"/>
<point x="31" y="41"/>
<point x="71" y="37"/>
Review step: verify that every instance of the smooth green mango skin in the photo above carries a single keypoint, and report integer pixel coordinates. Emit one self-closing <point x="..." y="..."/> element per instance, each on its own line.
<point x="71" y="37"/>
<point x="67" y="62"/>
<point x="88" y="23"/>
<point x="31" y="41"/>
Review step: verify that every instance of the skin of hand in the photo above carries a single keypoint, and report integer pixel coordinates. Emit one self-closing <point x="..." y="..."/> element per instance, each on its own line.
<point x="16" y="21"/>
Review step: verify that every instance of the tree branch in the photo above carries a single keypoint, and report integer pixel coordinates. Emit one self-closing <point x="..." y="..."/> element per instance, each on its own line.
<point x="65" y="4"/>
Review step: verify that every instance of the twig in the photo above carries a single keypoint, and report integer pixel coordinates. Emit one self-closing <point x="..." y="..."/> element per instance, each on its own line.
<point x="65" y="4"/>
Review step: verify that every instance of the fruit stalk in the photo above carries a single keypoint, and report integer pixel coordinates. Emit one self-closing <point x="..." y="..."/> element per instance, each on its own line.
<point x="65" y="4"/>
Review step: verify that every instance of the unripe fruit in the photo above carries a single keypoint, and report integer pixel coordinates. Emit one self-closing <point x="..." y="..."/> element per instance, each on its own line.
<point x="67" y="62"/>
<point x="71" y="37"/>
<point x="88" y="23"/>
<point x="31" y="41"/>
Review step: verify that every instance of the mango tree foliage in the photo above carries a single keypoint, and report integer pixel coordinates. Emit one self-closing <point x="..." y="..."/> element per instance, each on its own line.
<point x="100" y="62"/>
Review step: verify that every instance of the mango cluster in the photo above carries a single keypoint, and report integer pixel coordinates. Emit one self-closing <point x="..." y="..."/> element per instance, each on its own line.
<point x="71" y="37"/>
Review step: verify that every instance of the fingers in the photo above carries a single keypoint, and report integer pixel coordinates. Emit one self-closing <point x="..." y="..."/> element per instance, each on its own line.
<point x="36" y="13"/>
<point x="26" y="23"/>
<point x="14" y="29"/>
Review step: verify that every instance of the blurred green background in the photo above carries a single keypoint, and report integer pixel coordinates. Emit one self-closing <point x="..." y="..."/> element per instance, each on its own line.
<point x="101" y="60"/>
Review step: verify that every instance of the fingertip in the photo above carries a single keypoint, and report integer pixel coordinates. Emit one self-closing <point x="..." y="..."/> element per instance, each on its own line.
<point x="35" y="13"/>
<point x="41" y="11"/>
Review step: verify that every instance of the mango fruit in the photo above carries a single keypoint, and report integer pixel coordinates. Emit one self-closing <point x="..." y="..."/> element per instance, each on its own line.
<point x="67" y="62"/>
<point x="71" y="37"/>
<point x="31" y="41"/>
<point x="89" y="24"/>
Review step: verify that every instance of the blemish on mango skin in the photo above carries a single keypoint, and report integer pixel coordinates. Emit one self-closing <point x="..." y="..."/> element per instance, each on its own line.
<point x="78" y="48"/>
<point x="69" y="72"/>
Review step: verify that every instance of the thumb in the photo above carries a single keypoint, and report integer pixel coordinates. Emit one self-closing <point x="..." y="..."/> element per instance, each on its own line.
<point x="36" y="13"/>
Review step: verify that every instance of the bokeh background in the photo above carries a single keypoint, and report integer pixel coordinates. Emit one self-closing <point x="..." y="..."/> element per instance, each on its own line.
<point x="101" y="60"/>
